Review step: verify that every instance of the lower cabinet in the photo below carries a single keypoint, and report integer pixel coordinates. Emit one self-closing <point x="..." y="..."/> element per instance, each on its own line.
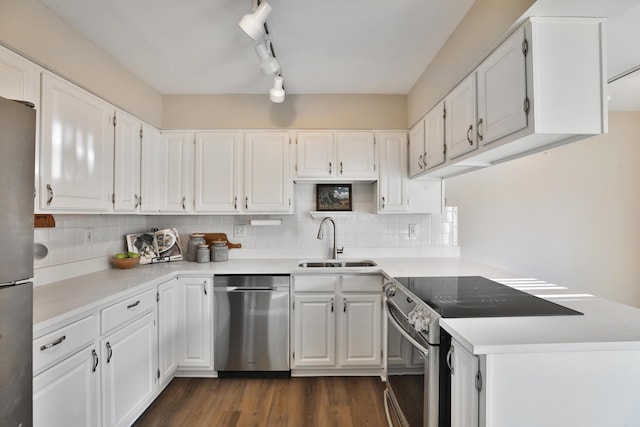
<point x="336" y="322"/>
<point x="67" y="394"/>
<point x="464" y="371"/>
<point x="195" y="323"/>
<point x="129" y="370"/>
<point x="167" y="297"/>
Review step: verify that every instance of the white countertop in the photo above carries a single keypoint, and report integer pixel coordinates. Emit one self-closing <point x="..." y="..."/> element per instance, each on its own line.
<point x="605" y="325"/>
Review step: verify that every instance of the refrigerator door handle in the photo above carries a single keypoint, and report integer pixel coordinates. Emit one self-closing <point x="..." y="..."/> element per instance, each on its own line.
<point x="54" y="343"/>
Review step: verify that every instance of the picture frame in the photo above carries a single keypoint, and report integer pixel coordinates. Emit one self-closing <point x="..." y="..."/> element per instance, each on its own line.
<point x="333" y="197"/>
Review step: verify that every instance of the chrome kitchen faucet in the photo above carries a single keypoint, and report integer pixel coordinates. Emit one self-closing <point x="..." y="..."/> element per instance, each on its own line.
<point x="336" y="251"/>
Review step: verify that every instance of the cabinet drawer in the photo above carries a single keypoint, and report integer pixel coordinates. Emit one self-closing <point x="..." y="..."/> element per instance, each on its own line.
<point x="315" y="283"/>
<point x="61" y="343"/>
<point x="362" y="283"/>
<point x="124" y="311"/>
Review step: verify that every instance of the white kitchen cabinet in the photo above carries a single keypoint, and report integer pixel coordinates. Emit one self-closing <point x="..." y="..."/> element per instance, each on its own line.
<point x="435" y="136"/>
<point x="460" y="121"/>
<point x="314" y="330"/>
<point x="76" y="150"/>
<point x="416" y="149"/>
<point x="126" y="168"/>
<point x="218" y="172"/>
<point x="397" y="193"/>
<point x="129" y="370"/>
<point x="176" y="172"/>
<point x="502" y="90"/>
<point x="268" y="187"/>
<point x="19" y="78"/>
<point x="167" y="297"/>
<point x="340" y="155"/>
<point x="195" y="323"/>
<point x="151" y="180"/>
<point x="67" y="394"/>
<point x="337" y="322"/>
<point x="465" y="377"/>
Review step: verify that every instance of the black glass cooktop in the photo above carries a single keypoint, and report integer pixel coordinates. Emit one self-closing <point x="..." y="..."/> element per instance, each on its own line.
<point x="475" y="296"/>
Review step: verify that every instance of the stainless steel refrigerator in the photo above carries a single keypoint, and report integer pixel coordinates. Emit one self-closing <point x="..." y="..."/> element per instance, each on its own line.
<point x="17" y="159"/>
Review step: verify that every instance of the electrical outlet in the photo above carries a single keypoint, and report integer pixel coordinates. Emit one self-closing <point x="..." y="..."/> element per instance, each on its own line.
<point x="239" y="230"/>
<point x="88" y="236"/>
<point x="414" y="230"/>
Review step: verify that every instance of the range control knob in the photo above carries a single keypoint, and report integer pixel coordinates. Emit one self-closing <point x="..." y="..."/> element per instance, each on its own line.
<point x="389" y="289"/>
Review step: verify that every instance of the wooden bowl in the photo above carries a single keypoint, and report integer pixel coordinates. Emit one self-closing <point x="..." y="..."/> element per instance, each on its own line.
<point x="125" y="262"/>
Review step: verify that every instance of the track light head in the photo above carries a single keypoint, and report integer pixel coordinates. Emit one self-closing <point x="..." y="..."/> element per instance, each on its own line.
<point x="253" y="23"/>
<point x="268" y="63"/>
<point x="276" y="94"/>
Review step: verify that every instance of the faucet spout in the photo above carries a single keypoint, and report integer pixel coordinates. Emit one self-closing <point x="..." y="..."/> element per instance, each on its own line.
<point x="320" y="236"/>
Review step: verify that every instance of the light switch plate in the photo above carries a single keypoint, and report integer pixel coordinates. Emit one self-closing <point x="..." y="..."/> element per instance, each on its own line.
<point x="414" y="230"/>
<point x="239" y="230"/>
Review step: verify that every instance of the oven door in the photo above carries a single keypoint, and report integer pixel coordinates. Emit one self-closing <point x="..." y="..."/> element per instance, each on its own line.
<point x="411" y="395"/>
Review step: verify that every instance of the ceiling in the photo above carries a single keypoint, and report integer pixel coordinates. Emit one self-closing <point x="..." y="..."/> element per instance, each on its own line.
<point x="324" y="46"/>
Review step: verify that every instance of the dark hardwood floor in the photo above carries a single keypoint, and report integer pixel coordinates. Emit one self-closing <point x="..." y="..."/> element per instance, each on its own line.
<point x="293" y="402"/>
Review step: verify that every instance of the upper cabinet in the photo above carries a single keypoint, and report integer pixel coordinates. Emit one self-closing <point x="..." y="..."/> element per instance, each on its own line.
<point x="76" y="150"/>
<point x="268" y="187"/>
<point x="176" y="172"/>
<point x="340" y="155"/>
<point x="427" y="144"/>
<point x="543" y="86"/>
<point x="126" y="168"/>
<point x="151" y="185"/>
<point x="19" y="77"/>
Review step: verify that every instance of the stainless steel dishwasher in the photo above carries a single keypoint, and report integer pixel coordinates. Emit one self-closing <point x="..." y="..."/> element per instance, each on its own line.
<point x="251" y="325"/>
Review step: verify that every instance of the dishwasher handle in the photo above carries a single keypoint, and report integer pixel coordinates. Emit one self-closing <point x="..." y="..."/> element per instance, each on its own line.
<point x="245" y="288"/>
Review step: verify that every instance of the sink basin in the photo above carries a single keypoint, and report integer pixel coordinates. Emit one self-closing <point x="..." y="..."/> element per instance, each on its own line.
<point x="337" y="264"/>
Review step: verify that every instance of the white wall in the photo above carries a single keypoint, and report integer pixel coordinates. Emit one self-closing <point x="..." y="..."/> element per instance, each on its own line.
<point x="570" y="215"/>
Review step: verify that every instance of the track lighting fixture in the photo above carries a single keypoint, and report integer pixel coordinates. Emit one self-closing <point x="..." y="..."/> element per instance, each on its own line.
<point x="268" y="63"/>
<point x="253" y="23"/>
<point x="276" y="94"/>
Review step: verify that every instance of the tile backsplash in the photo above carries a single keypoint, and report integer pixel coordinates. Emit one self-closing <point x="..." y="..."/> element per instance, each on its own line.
<point x="363" y="228"/>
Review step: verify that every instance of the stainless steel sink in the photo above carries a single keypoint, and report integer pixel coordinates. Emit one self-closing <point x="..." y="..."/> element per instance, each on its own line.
<point x="337" y="264"/>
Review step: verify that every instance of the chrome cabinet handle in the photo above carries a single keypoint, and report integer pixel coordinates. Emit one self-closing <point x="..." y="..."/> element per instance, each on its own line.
<point x="340" y="168"/>
<point x="468" y="132"/>
<point x="135" y="304"/>
<point x="332" y="305"/>
<point x="424" y="160"/>
<point x="204" y="287"/>
<point x="480" y="136"/>
<point x="383" y="202"/>
<point x="137" y="201"/>
<point x="50" y="192"/>
<point x="53" y="344"/>
<point x="330" y="168"/>
<point x="420" y="166"/>
<point x="449" y="357"/>
<point x="235" y="202"/>
<point x="95" y="360"/>
<point x="246" y="202"/>
<point x="109" y="352"/>
<point x="184" y="203"/>
<point x="344" y="305"/>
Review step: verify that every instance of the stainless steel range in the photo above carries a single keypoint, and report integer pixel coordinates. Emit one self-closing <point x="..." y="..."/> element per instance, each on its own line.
<point x="417" y="392"/>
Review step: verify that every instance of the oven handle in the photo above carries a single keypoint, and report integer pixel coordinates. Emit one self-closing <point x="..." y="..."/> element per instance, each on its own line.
<point x="395" y="323"/>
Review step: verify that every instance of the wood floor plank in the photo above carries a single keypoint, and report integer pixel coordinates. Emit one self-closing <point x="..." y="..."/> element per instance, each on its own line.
<point x="291" y="402"/>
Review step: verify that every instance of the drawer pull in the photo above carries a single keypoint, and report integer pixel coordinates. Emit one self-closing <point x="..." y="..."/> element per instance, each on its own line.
<point x="95" y="360"/>
<point x="53" y="344"/>
<point x="109" y="352"/>
<point x="135" y="304"/>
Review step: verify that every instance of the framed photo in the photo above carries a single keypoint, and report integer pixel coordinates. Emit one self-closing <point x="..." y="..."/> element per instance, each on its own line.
<point x="333" y="197"/>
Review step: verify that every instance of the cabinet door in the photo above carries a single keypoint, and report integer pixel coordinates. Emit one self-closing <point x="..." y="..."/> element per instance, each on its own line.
<point x="392" y="185"/>
<point x="151" y="180"/>
<point x="167" y="329"/>
<point x="195" y="327"/>
<point x="314" y="330"/>
<point x="360" y="330"/>
<point x="218" y="171"/>
<point x="129" y="371"/>
<point x="76" y="149"/>
<point x="67" y="394"/>
<point x="435" y="144"/>
<point x="315" y="155"/>
<point x="464" y="396"/>
<point x="19" y="78"/>
<point x="416" y="149"/>
<point x="502" y="90"/>
<point x="267" y="181"/>
<point x="176" y="171"/>
<point x="461" y="118"/>
<point x="126" y="168"/>
<point x="356" y="155"/>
